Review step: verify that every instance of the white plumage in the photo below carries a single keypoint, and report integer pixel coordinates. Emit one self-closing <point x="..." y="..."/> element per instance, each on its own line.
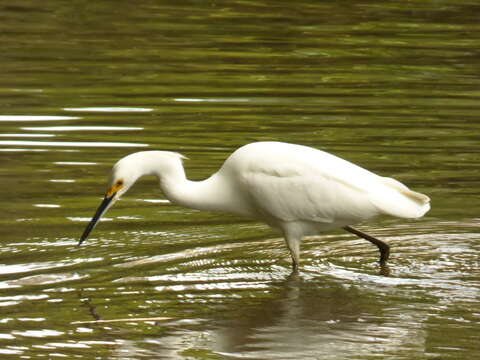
<point x="296" y="189"/>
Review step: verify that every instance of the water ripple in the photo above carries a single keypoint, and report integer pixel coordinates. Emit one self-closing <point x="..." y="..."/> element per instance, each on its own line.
<point x="109" y="109"/>
<point x="74" y="144"/>
<point x="36" y="118"/>
<point x="80" y="128"/>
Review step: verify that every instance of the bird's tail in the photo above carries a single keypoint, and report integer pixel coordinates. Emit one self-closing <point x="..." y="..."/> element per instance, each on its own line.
<point x="398" y="200"/>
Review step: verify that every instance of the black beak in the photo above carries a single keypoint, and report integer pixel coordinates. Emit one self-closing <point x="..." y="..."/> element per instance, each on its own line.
<point x="98" y="214"/>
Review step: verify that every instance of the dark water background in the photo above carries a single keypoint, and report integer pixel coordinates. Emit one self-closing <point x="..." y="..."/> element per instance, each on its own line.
<point x="391" y="85"/>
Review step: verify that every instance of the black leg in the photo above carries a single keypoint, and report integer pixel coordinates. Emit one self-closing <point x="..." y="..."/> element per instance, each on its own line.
<point x="383" y="247"/>
<point x="294" y="266"/>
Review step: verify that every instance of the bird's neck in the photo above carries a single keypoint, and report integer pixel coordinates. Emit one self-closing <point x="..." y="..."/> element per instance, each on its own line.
<point x="209" y="194"/>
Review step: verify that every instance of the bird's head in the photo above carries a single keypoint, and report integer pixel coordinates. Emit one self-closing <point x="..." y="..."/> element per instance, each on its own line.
<point x="127" y="171"/>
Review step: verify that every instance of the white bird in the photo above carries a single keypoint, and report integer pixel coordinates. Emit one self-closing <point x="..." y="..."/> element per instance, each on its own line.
<point x="297" y="189"/>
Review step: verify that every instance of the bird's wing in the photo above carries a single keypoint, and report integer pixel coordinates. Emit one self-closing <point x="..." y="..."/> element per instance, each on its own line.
<point x="293" y="191"/>
<point x="292" y="182"/>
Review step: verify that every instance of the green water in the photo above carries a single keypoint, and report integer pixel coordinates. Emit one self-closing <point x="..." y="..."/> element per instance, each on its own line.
<point x="392" y="86"/>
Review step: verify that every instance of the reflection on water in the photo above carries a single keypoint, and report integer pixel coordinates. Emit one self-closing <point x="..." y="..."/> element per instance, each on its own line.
<point x="69" y="143"/>
<point x="391" y="87"/>
<point x="329" y="321"/>
<point x="79" y="128"/>
<point x="109" y="109"/>
<point x="16" y="118"/>
<point x="26" y="135"/>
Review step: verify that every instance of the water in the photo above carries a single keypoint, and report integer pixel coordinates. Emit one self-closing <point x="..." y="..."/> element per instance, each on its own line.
<point x="392" y="86"/>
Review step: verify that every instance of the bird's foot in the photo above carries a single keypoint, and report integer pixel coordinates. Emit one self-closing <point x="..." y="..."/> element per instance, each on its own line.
<point x="384" y="269"/>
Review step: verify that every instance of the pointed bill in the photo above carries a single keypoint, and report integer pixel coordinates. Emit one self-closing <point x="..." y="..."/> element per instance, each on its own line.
<point x="104" y="206"/>
<point x="110" y="197"/>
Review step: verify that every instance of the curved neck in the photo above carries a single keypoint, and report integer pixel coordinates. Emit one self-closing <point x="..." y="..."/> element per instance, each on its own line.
<point x="217" y="193"/>
<point x="209" y="194"/>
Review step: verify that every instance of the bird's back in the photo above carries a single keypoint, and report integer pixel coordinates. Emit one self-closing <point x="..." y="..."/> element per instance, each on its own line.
<point x="284" y="183"/>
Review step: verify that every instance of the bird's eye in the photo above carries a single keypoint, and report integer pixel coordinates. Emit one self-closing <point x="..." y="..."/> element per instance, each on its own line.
<point x="119" y="183"/>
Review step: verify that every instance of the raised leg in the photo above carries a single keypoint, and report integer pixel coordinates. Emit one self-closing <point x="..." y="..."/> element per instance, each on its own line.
<point x="384" y="248"/>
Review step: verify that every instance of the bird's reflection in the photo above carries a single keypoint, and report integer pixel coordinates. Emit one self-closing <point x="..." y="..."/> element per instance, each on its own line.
<point x="299" y="310"/>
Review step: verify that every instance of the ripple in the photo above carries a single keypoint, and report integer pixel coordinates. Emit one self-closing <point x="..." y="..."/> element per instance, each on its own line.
<point x="63" y="180"/>
<point x="28" y="90"/>
<point x="184" y="255"/>
<point x="36" y="118"/>
<point x="40" y="266"/>
<point x="10" y="351"/>
<point x="38" y="333"/>
<point x="213" y="277"/>
<point x="109" y="109"/>
<point x="256" y="100"/>
<point x="80" y="163"/>
<point x="28" y="135"/>
<point x="212" y="100"/>
<point x="71" y="144"/>
<point x="38" y="319"/>
<point x="25" y="298"/>
<point x="42" y="279"/>
<point x="155" y="201"/>
<point x="81" y="128"/>
<point x="87" y="219"/>
<point x="69" y="345"/>
<point x="216" y="286"/>
<point x="24" y="150"/>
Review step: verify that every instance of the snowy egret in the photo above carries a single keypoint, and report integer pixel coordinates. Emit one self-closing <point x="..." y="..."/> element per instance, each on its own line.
<point x="297" y="189"/>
